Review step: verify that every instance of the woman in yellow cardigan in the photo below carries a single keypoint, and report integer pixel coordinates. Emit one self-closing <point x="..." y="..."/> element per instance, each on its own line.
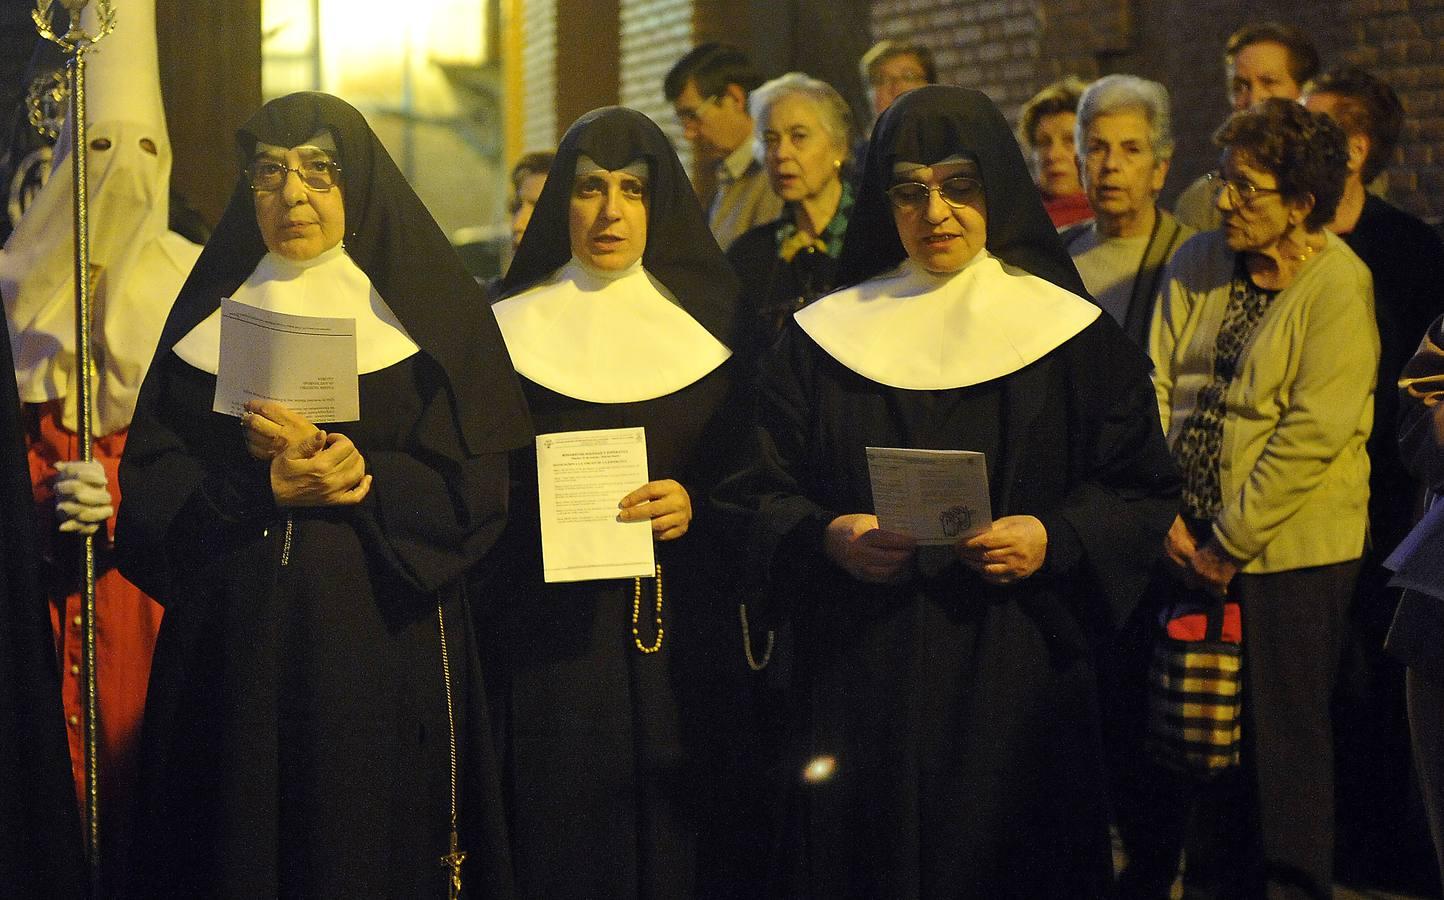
<point x="1266" y="353"/>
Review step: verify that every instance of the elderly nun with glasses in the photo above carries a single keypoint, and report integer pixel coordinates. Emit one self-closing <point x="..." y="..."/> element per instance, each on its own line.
<point x="316" y="724"/>
<point x="946" y="737"/>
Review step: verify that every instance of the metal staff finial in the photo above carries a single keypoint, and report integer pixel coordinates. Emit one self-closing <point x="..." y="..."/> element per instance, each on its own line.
<point x="76" y="42"/>
<point x="75" y="39"/>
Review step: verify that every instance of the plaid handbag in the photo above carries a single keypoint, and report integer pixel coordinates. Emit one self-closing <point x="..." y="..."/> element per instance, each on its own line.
<point x="1195" y="688"/>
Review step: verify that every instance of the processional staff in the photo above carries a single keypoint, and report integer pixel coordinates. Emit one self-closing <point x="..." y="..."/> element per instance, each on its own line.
<point x="76" y="42"/>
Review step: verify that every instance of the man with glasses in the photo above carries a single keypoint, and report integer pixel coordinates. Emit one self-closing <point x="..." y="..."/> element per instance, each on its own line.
<point x="890" y="68"/>
<point x="708" y="90"/>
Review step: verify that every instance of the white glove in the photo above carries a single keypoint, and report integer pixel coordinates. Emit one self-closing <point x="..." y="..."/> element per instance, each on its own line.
<point x="82" y="496"/>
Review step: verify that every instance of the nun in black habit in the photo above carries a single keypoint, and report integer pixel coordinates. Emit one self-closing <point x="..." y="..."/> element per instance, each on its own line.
<point x="316" y="723"/>
<point x="619" y="697"/>
<point x="945" y="716"/>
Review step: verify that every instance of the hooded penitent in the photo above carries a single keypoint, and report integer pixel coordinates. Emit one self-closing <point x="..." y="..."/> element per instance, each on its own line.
<point x="137" y="264"/>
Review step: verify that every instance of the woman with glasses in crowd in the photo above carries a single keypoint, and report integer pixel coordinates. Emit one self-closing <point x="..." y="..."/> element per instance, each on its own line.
<point x="316" y="723"/>
<point x="1266" y="353"/>
<point x="946" y="735"/>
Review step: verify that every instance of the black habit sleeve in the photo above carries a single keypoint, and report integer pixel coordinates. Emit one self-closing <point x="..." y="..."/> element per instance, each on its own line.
<point x="193" y="495"/>
<point x="1110" y="524"/>
<point x="433" y="510"/>
<point x="1105" y="528"/>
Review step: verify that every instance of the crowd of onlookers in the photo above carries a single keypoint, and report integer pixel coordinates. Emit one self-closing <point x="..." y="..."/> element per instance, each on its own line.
<point x="1282" y="415"/>
<point x="1200" y="432"/>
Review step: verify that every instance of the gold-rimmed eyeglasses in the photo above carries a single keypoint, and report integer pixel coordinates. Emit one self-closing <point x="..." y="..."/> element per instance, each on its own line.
<point x="693" y="115"/>
<point x="956" y="192"/>
<point x="1240" y="191"/>
<point x="319" y="174"/>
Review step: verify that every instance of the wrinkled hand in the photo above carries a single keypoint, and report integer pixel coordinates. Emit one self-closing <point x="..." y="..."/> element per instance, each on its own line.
<point x="82" y="496"/>
<point x="665" y="502"/>
<point x="1201" y="568"/>
<point x="271" y="427"/>
<point x="1214" y="568"/>
<point x="863" y="550"/>
<point x="322" y="470"/>
<point x="1179" y="546"/>
<point x="1013" y="548"/>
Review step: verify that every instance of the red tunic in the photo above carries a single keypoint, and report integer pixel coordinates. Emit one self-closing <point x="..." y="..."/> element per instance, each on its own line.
<point x="126" y="621"/>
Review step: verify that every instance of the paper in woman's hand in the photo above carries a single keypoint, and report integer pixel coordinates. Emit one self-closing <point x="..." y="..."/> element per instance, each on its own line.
<point x="935" y="496"/>
<point x="306" y="362"/>
<point x="581" y="477"/>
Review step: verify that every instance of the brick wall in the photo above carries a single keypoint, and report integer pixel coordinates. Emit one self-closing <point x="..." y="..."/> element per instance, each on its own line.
<point x="991" y="45"/>
<point x="655" y="33"/>
<point x="1403" y="41"/>
<point x="538" y="74"/>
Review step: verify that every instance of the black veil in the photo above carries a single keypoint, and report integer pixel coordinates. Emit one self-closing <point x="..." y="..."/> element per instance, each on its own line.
<point x="681" y="252"/>
<point x="394" y="240"/>
<point x="930" y="124"/>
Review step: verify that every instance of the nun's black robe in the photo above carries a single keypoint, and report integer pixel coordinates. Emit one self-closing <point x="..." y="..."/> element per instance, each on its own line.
<point x="40" y="838"/>
<point x="297" y="720"/>
<point x="619" y="764"/>
<point x="962" y="718"/>
<point x="614" y="757"/>
<point x="296" y="740"/>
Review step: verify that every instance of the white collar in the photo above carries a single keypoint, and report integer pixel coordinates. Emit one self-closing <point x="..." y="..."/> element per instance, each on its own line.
<point x="918" y="330"/>
<point x="330" y="285"/>
<point x="606" y="337"/>
<point x="736" y="163"/>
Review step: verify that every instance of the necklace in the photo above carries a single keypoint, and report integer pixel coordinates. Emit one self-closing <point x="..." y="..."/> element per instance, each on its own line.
<point x="752" y="662"/>
<point x="1309" y="250"/>
<point x="637" y="613"/>
<point x="452" y="860"/>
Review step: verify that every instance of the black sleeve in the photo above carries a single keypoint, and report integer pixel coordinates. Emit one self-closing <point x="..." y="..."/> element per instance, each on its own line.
<point x="189" y="491"/>
<point x="432" y="512"/>
<point x="768" y="516"/>
<point x="192" y="495"/>
<point x="1111" y="523"/>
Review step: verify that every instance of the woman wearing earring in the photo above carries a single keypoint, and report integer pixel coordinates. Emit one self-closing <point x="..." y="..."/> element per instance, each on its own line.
<point x="803" y="134"/>
<point x="1266" y="351"/>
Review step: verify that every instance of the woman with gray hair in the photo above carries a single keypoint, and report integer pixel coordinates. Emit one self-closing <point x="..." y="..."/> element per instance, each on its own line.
<point x="1124" y="144"/>
<point x="803" y="131"/>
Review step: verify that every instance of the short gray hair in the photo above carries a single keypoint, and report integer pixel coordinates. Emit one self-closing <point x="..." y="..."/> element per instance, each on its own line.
<point x="1123" y="93"/>
<point x="832" y="110"/>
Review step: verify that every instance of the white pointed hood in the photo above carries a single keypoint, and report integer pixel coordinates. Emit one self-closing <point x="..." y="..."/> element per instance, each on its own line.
<point x="137" y="263"/>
